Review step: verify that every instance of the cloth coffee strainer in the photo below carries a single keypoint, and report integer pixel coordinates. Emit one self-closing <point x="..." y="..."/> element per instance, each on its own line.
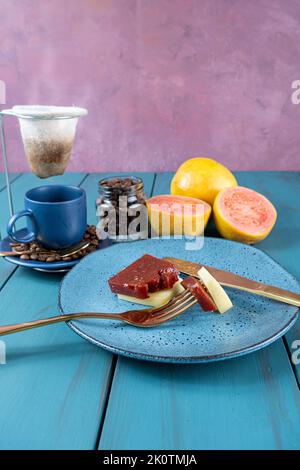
<point x="48" y="134"/>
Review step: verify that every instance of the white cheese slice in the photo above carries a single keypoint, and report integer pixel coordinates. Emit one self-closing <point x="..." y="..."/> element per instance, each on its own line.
<point x="156" y="299"/>
<point x="215" y="289"/>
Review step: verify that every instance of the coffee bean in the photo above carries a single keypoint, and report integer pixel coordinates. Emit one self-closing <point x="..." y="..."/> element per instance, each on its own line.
<point x="50" y="259"/>
<point x="22" y="248"/>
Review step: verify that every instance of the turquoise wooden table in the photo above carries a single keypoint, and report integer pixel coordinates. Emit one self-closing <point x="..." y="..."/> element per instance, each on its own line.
<point x="59" y="392"/>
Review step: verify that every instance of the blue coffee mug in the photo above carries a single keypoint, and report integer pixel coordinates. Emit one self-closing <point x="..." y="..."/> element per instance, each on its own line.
<point x="56" y="216"/>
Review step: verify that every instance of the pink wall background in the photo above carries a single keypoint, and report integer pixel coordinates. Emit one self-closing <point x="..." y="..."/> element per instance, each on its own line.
<point x="163" y="80"/>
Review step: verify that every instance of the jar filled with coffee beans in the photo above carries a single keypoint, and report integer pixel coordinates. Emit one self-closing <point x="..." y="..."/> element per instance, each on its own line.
<point x="121" y="209"/>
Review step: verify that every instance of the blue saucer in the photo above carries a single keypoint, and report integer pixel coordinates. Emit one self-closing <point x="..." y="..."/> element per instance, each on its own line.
<point x="57" y="266"/>
<point x="253" y="323"/>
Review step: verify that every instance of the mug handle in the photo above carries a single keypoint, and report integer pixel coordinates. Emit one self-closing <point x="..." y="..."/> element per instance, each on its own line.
<point x="10" y="227"/>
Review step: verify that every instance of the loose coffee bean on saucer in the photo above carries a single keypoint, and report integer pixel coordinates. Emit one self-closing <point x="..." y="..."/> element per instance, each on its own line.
<point x="37" y="249"/>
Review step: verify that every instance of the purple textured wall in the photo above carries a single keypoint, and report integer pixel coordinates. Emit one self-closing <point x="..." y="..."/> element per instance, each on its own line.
<point x="163" y="80"/>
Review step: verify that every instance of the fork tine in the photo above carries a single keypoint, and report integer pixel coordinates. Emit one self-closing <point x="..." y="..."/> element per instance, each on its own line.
<point x="176" y="312"/>
<point x="173" y="307"/>
<point x="155" y="321"/>
<point x="175" y="300"/>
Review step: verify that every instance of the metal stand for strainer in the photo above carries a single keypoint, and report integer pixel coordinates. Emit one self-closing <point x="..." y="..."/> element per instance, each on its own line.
<point x="4" y="153"/>
<point x="12" y="112"/>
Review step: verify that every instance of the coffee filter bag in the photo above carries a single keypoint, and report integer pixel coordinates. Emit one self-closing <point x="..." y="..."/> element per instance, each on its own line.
<point x="48" y="134"/>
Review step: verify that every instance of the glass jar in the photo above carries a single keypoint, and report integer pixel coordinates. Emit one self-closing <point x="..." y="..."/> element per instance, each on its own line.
<point x="121" y="209"/>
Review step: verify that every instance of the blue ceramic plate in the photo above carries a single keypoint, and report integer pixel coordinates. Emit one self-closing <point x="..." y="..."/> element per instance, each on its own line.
<point x="253" y="322"/>
<point x="57" y="266"/>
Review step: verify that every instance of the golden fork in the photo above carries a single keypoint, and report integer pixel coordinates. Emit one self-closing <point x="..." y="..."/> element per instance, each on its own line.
<point x="142" y="318"/>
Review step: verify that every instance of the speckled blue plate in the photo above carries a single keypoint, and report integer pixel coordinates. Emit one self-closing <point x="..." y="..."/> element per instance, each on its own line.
<point x="253" y="322"/>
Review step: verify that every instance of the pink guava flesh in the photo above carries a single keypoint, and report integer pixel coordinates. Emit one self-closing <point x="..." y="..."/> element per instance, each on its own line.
<point x="247" y="210"/>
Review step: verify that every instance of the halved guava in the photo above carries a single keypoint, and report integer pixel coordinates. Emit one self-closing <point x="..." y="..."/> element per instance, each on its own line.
<point x="243" y="215"/>
<point x="178" y="215"/>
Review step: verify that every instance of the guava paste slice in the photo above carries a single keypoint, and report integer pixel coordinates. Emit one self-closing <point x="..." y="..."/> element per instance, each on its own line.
<point x="147" y="274"/>
<point x="203" y="298"/>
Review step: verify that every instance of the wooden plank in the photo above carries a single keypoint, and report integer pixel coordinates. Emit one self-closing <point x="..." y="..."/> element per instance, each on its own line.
<point x="245" y="403"/>
<point x="12" y="177"/>
<point x="6" y="269"/>
<point x="54" y="386"/>
<point x="283" y="189"/>
<point x="251" y="402"/>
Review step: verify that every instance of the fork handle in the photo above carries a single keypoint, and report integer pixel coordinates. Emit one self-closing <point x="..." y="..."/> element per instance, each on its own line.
<point x="25" y="252"/>
<point x="14" y="253"/>
<point x="8" y="329"/>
